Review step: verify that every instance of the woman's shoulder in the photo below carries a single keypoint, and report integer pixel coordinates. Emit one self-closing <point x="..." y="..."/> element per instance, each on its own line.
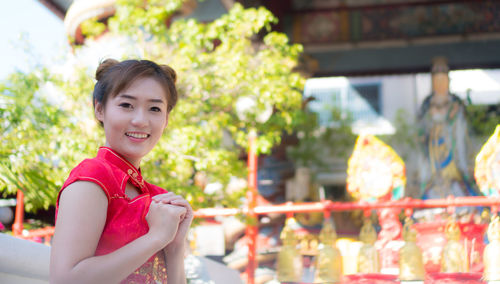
<point x="92" y="170"/>
<point x="94" y="167"/>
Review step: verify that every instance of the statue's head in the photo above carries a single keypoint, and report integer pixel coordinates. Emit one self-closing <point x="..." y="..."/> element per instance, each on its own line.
<point x="440" y="79"/>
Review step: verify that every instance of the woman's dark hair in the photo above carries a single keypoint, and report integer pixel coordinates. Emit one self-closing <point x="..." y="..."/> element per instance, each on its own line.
<point x="113" y="77"/>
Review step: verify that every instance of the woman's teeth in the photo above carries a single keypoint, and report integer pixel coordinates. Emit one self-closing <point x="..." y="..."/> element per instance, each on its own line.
<point x="137" y="135"/>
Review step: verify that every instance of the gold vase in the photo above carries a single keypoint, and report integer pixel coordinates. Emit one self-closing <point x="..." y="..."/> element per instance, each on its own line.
<point x="368" y="258"/>
<point x="454" y="258"/>
<point x="491" y="255"/>
<point x="289" y="257"/>
<point x="411" y="263"/>
<point x="329" y="259"/>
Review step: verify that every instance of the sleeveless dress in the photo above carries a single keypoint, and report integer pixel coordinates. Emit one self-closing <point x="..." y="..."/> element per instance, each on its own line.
<point x="126" y="218"/>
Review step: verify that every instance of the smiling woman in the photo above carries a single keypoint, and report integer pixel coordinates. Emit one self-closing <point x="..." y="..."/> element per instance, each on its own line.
<point x="113" y="226"/>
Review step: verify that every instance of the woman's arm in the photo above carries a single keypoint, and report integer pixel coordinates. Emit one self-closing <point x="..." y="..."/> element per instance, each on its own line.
<point x="81" y="218"/>
<point x="174" y="251"/>
<point x="174" y="258"/>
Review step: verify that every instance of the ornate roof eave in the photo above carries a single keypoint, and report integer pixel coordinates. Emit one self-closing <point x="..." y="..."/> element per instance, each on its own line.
<point x="82" y="10"/>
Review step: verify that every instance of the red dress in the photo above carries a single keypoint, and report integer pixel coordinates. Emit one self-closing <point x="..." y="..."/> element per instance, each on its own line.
<point x="126" y="218"/>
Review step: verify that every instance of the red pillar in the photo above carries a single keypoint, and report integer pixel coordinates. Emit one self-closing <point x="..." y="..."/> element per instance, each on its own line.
<point x="252" y="227"/>
<point x="17" y="227"/>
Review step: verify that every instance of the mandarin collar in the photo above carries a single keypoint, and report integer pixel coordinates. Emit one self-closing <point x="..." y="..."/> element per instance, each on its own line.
<point x="116" y="159"/>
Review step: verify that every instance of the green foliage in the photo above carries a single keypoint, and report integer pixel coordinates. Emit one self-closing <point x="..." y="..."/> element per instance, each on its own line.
<point x="405" y="140"/>
<point x="218" y="63"/>
<point x="319" y="142"/>
<point x="41" y="139"/>
<point x="92" y="27"/>
<point x="483" y="119"/>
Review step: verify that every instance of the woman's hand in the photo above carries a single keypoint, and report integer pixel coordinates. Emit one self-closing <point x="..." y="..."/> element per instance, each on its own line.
<point x="186" y="219"/>
<point x="163" y="220"/>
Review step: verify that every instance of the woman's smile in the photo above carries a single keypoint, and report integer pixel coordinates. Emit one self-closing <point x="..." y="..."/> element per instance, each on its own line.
<point x="135" y="118"/>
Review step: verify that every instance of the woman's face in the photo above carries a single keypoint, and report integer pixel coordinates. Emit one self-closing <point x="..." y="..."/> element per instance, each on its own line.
<point x="134" y="119"/>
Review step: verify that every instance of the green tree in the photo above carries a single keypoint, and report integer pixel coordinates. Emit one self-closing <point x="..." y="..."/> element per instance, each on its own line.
<point x="232" y="60"/>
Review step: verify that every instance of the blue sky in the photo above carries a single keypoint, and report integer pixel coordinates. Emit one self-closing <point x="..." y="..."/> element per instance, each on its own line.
<point x="43" y="31"/>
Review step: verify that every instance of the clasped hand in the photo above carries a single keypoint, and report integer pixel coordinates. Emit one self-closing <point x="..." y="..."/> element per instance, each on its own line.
<point x="169" y="218"/>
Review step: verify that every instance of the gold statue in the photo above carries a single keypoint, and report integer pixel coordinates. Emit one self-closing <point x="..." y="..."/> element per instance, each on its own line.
<point x="491" y="256"/>
<point x="329" y="259"/>
<point x="454" y="257"/>
<point x="368" y="259"/>
<point x="411" y="263"/>
<point x="289" y="258"/>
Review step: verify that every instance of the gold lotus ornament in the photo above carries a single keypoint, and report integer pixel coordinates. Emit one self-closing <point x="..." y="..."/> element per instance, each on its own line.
<point x="289" y="257"/>
<point x="411" y="263"/>
<point x="491" y="256"/>
<point x="329" y="259"/>
<point x="368" y="258"/>
<point x="375" y="171"/>
<point x="487" y="169"/>
<point x="454" y="258"/>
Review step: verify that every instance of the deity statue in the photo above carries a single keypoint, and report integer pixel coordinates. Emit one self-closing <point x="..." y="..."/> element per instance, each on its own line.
<point x="454" y="257"/>
<point x="329" y="261"/>
<point x="368" y="258"/>
<point x="443" y="137"/>
<point x="491" y="256"/>
<point x="289" y="258"/>
<point x="389" y="240"/>
<point x="411" y="263"/>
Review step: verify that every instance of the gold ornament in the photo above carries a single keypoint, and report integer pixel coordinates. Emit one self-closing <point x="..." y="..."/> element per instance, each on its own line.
<point x="454" y="258"/>
<point x="329" y="261"/>
<point x="368" y="258"/>
<point x="491" y="256"/>
<point x="411" y="263"/>
<point x="374" y="170"/>
<point x="289" y="258"/>
<point x="487" y="169"/>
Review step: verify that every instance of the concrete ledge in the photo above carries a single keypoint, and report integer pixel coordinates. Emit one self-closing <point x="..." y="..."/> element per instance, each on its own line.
<point x="23" y="261"/>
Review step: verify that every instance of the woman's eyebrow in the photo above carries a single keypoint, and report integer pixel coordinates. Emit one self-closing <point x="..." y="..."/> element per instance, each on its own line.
<point x="157" y="101"/>
<point x="134" y="98"/>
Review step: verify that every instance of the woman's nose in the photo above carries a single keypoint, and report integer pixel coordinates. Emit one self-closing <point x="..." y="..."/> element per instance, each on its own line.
<point x="139" y="118"/>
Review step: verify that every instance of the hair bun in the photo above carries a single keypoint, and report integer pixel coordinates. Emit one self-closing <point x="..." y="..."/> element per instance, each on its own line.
<point x="170" y="72"/>
<point x="103" y="67"/>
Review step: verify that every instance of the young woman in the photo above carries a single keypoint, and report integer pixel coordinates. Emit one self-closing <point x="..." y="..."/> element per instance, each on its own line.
<point x="112" y="226"/>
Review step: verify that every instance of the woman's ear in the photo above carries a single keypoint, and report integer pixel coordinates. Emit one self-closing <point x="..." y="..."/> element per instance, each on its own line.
<point x="99" y="111"/>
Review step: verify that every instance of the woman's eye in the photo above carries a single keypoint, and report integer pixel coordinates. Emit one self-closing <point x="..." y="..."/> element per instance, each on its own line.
<point x="156" y="109"/>
<point x="125" y="105"/>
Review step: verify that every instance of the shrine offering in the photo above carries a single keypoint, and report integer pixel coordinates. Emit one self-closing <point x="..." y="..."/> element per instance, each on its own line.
<point x="411" y="263"/>
<point x="368" y="257"/>
<point x="454" y="258"/>
<point x="487" y="170"/>
<point x="289" y="258"/>
<point x="491" y="256"/>
<point x="375" y="171"/>
<point x="329" y="259"/>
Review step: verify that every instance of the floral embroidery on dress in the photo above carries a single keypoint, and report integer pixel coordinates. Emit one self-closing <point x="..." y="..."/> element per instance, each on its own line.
<point x="154" y="271"/>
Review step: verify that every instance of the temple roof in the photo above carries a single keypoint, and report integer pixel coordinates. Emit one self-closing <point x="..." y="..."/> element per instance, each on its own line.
<point x="358" y="37"/>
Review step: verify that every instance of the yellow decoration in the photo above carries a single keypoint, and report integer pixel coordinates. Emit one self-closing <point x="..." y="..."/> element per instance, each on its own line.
<point x="411" y="263"/>
<point x="374" y="170"/>
<point x="491" y="256"/>
<point x="329" y="261"/>
<point x="454" y="258"/>
<point x="289" y="258"/>
<point x="487" y="170"/>
<point x="368" y="258"/>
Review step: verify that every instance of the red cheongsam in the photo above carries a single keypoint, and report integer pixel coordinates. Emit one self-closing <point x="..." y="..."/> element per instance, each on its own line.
<point x="126" y="218"/>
